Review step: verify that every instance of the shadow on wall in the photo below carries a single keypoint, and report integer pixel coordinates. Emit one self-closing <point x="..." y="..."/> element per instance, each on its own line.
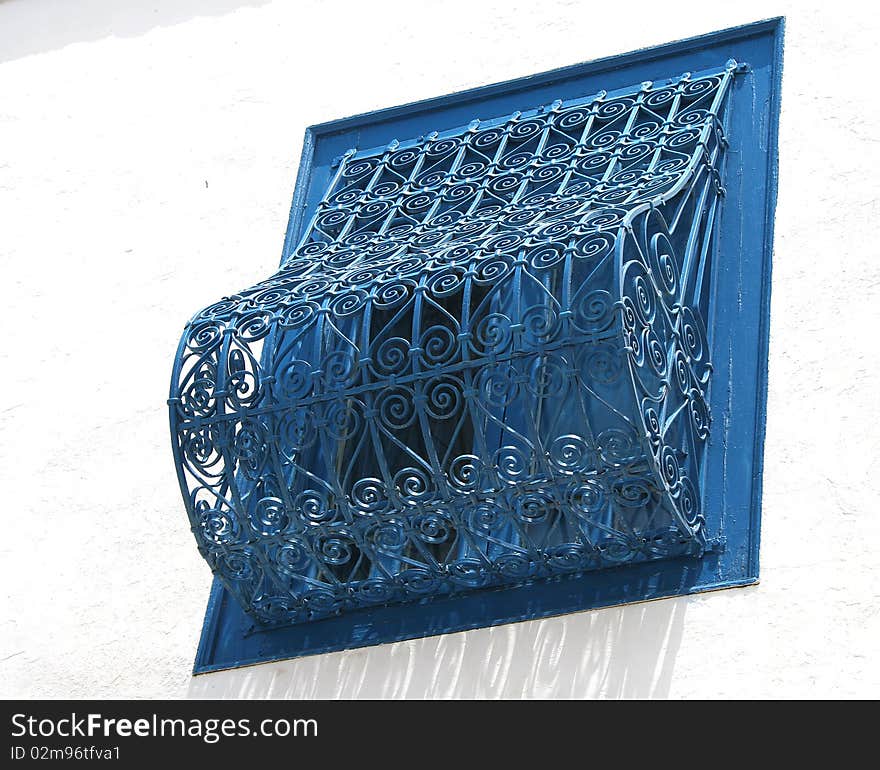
<point x="35" y="26"/>
<point x="621" y="652"/>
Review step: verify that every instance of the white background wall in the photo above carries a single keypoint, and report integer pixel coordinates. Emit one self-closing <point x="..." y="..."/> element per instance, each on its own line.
<point x="147" y="159"/>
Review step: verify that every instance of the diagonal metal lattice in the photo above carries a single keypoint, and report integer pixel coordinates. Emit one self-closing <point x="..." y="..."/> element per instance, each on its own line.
<point x="485" y="363"/>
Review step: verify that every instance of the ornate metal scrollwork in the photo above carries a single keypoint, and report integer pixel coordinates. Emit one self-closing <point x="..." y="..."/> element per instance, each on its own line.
<point x="486" y="362"/>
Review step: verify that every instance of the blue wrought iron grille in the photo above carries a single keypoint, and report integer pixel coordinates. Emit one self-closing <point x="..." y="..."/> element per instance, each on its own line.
<point x="485" y="363"/>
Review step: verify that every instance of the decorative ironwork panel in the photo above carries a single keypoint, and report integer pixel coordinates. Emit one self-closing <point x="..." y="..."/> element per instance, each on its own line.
<point x="485" y="363"/>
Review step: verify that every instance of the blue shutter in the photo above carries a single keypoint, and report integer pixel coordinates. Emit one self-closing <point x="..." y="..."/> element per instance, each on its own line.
<point x="486" y="364"/>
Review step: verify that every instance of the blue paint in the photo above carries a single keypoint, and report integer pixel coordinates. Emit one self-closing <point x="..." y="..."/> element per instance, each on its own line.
<point x="737" y="321"/>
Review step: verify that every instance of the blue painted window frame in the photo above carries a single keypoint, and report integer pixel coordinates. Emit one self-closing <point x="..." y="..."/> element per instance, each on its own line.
<point x="739" y="330"/>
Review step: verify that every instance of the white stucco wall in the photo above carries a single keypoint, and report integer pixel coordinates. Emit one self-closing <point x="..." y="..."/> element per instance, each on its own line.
<point x="148" y="153"/>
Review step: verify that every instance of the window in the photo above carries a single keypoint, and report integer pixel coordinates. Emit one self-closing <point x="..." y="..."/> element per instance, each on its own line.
<point x="510" y="365"/>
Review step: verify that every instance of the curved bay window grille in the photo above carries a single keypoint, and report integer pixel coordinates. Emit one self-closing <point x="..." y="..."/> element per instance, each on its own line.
<point x="486" y="363"/>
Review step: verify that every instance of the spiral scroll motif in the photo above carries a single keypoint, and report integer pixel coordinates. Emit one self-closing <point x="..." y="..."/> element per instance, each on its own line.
<point x="486" y="361"/>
